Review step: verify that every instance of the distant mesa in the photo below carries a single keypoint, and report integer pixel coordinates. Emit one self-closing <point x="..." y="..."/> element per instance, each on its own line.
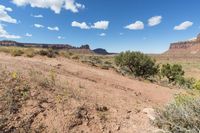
<point x="100" y="51"/>
<point x="85" y="46"/>
<point x="82" y="49"/>
<point x="185" y="47"/>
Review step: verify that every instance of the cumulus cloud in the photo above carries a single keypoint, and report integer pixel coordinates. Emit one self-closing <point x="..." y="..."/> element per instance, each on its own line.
<point x="28" y="35"/>
<point x="5" y="34"/>
<point x="54" y="5"/>
<point x="53" y="28"/>
<point x="82" y="25"/>
<point x="37" y="16"/>
<point x="183" y="26"/>
<point x="38" y="26"/>
<point x="103" y="34"/>
<point x="60" y="37"/>
<point x="101" y="25"/>
<point x="153" y="21"/>
<point x="138" y="25"/>
<point x="4" y="15"/>
<point x="73" y="6"/>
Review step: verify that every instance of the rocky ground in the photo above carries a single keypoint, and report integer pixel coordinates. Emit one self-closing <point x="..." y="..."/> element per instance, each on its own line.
<point x="60" y="95"/>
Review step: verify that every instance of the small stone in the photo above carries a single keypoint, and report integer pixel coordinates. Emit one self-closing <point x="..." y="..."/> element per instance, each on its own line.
<point x="129" y="111"/>
<point x="150" y="113"/>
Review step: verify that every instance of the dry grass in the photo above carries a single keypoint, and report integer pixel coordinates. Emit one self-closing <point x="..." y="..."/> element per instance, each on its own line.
<point x="181" y="116"/>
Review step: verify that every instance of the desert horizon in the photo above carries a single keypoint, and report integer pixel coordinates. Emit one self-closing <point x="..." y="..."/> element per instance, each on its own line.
<point x="99" y="66"/>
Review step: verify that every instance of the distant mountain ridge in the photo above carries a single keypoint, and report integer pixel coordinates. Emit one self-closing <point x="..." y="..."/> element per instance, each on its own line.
<point x="85" y="47"/>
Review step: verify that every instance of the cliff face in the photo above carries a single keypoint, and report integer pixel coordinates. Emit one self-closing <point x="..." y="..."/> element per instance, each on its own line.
<point x="185" y="47"/>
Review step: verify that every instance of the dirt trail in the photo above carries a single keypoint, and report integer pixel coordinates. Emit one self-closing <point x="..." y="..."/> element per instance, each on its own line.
<point x="119" y="99"/>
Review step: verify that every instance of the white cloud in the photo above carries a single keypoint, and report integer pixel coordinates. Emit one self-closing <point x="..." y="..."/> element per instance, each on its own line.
<point x="101" y="25"/>
<point x="53" y="28"/>
<point x="60" y="37"/>
<point x="28" y="35"/>
<point x="73" y="6"/>
<point x="192" y="39"/>
<point x="5" y="34"/>
<point x="153" y="21"/>
<point x="38" y="26"/>
<point x="138" y="25"/>
<point x="4" y="15"/>
<point x="82" y="25"/>
<point x="103" y="34"/>
<point x="37" y="16"/>
<point x="55" y="5"/>
<point x="183" y="26"/>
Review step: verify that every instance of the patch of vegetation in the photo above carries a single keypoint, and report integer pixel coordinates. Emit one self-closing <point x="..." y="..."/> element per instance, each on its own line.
<point x="181" y="116"/>
<point x="172" y="72"/>
<point x="75" y="57"/>
<point x="65" y="54"/>
<point x="138" y="64"/>
<point x="14" y="92"/>
<point x="196" y="85"/>
<point x="17" y="52"/>
<point x="49" y="53"/>
<point x="30" y="52"/>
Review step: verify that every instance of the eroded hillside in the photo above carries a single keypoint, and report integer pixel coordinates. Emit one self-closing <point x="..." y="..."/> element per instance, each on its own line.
<point x="60" y="95"/>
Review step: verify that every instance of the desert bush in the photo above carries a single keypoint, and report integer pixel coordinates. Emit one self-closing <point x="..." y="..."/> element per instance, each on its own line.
<point x="95" y="59"/>
<point x="65" y="54"/>
<point x="5" y="49"/>
<point x="181" y="116"/>
<point x="17" y="52"/>
<point x="49" y="53"/>
<point x="43" y="52"/>
<point x="30" y="52"/>
<point x="196" y="85"/>
<point x="186" y="83"/>
<point x="173" y="73"/>
<point x="75" y="57"/>
<point x="137" y="63"/>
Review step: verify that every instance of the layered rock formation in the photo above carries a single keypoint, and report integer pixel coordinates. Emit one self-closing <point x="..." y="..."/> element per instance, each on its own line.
<point x="185" y="47"/>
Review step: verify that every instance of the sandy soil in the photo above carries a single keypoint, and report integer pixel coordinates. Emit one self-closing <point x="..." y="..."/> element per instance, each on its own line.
<point x="106" y="101"/>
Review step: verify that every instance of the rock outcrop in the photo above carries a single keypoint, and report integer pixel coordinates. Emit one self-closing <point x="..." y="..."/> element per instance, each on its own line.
<point x="185" y="47"/>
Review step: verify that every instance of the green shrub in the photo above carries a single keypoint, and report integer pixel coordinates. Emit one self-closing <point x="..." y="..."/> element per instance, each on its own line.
<point x="43" y="52"/>
<point x="49" y="53"/>
<point x="197" y="85"/>
<point x="95" y="59"/>
<point x="186" y="83"/>
<point x="172" y="72"/>
<point x="137" y="63"/>
<point x="181" y="116"/>
<point x="16" y="52"/>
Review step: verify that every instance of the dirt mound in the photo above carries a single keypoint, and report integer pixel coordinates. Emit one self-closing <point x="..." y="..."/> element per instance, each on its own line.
<point x="59" y="95"/>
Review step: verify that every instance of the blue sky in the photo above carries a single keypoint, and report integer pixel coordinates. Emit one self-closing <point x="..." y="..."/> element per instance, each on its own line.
<point x="116" y="25"/>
